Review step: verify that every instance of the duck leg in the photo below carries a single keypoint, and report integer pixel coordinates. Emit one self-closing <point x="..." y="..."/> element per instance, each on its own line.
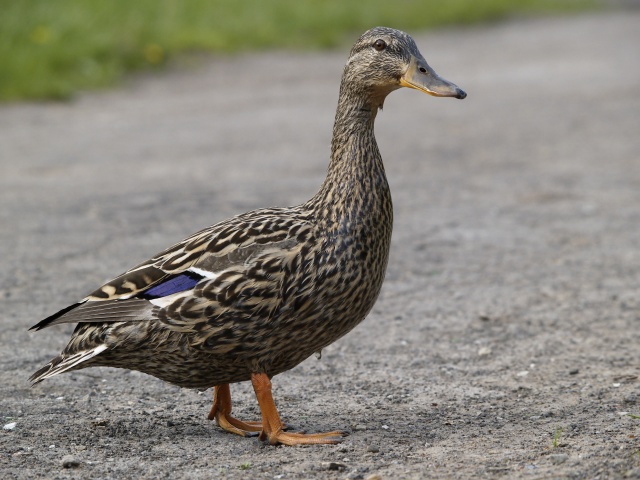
<point x="221" y="411"/>
<point x="272" y="426"/>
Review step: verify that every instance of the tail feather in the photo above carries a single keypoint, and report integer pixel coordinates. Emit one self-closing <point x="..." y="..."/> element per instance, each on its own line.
<point x="61" y="363"/>
<point x="50" y="319"/>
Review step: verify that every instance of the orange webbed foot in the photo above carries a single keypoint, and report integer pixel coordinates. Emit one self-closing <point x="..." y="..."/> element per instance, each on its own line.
<point x="221" y="411"/>
<point x="272" y="426"/>
<point x="287" y="438"/>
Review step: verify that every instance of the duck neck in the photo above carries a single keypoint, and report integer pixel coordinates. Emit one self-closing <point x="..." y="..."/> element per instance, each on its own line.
<point x="356" y="185"/>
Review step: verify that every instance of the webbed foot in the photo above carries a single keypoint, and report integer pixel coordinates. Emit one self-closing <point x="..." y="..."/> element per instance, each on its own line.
<point x="272" y="426"/>
<point x="221" y="411"/>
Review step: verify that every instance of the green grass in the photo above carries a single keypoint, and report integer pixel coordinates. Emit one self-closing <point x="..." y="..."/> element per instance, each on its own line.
<point x="556" y="437"/>
<point x="50" y="49"/>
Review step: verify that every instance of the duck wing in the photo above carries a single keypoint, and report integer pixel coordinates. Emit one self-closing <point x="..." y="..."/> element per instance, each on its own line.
<point x="232" y="271"/>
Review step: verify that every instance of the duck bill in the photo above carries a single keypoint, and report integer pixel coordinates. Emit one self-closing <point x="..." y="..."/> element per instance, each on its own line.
<point x="422" y="77"/>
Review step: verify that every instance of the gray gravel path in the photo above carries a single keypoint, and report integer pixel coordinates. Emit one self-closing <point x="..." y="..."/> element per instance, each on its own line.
<point x="506" y="339"/>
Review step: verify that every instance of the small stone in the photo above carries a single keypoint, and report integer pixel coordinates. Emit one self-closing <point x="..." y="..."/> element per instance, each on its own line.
<point x="69" y="461"/>
<point x="335" y="466"/>
<point x="10" y="426"/>
<point x="385" y="427"/>
<point x="374" y="476"/>
<point x="558" y="458"/>
<point x="485" y="352"/>
<point x="574" y="371"/>
<point x="523" y="373"/>
<point x="360" y="427"/>
<point x="373" y="448"/>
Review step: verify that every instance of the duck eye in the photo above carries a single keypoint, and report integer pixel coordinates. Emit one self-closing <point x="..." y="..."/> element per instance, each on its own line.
<point x="380" y="45"/>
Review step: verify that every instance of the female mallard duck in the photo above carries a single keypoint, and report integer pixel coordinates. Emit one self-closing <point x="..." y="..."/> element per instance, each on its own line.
<point x="255" y="295"/>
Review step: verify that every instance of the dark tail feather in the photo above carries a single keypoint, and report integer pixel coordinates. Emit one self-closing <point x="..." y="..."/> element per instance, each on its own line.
<point x="47" y="321"/>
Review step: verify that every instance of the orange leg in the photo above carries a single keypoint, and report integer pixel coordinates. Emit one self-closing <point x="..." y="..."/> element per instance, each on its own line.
<point x="272" y="427"/>
<point x="221" y="411"/>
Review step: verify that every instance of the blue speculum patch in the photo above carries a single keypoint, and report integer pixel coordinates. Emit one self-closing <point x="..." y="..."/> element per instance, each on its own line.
<point x="175" y="284"/>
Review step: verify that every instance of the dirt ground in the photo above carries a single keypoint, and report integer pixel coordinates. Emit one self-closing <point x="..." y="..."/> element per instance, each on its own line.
<point x="506" y="341"/>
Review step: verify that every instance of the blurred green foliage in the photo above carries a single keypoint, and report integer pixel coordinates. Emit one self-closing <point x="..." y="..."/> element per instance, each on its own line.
<point x="50" y="49"/>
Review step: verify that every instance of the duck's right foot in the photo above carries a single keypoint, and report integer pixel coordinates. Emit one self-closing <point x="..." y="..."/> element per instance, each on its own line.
<point x="221" y="411"/>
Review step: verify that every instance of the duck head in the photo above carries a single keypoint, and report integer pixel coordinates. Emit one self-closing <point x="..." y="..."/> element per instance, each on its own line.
<point x="383" y="60"/>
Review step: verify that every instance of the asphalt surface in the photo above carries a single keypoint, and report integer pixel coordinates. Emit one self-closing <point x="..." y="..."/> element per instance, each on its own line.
<point x="506" y="340"/>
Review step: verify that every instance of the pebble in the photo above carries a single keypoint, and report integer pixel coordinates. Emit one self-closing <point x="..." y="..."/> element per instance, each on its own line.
<point x="373" y="448"/>
<point x="485" y="352"/>
<point x="336" y="466"/>
<point x="374" y="476"/>
<point x="360" y="427"/>
<point x="558" y="458"/>
<point x="574" y="371"/>
<point x="69" y="461"/>
<point x="10" y="426"/>
<point x="20" y="453"/>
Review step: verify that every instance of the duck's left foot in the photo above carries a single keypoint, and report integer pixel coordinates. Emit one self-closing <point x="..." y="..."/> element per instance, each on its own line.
<point x="221" y="411"/>
<point x="287" y="438"/>
<point x="272" y="426"/>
